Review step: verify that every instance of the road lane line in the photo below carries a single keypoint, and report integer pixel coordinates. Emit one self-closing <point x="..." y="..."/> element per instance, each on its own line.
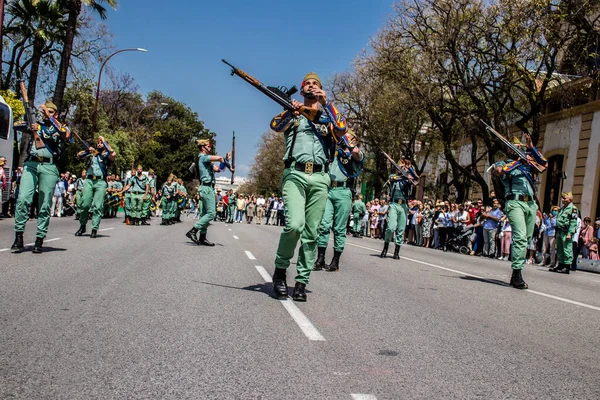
<point x="263" y="272"/>
<point x="235" y="237"/>
<point x="359" y="396"/>
<point x="105" y="229"/>
<point x="250" y="255"/>
<point x="305" y="325"/>
<point x="31" y="244"/>
<point x="229" y="229"/>
<point x="1" y="250"/>
<point x="577" y="303"/>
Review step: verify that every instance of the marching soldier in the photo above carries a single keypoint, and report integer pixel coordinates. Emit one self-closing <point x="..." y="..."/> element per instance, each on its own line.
<point x="39" y="172"/>
<point x="358" y="212"/>
<point x="305" y="182"/>
<point x="168" y="193"/>
<point x="94" y="191"/>
<point x="79" y="184"/>
<point x="566" y="226"/>
<point x="127" y="184"/>
<point x="400" y="187"/>
<point x="206" y="171"/>
<point x="108" y="196"/>
<point x="117" y="196"/>
<point x="182" y="195"/>
<point x="139" y="193"/>
<point x="519" y="189"/>
<point x="346" y="165"/>
<point x="232" y="198"/>
<point x="152" y="192"/>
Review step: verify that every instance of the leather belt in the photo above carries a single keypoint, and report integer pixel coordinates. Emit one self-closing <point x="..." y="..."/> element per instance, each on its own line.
<point x="94" y="177"/>
<point x="336" y="184"/>
<point x="399" y="201"/>
<point x="40" y="159"/>
<point x="520" y="197"/>
<point x="207" y="184"/>
<point x="307" y="168"/>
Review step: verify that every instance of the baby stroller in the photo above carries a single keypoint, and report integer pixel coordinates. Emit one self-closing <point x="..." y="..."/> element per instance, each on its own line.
<point x="457" y="238"/>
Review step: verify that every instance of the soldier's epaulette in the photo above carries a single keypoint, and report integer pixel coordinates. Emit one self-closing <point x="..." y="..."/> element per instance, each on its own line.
<point x="281" y="121"/>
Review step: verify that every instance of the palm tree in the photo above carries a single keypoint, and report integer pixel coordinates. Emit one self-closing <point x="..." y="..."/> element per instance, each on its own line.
<point x="39" y="23"/>
<point x="73" y="8"/>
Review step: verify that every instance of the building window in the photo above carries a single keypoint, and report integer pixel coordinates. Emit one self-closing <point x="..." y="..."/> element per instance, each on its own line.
<point x="553" y="182"/>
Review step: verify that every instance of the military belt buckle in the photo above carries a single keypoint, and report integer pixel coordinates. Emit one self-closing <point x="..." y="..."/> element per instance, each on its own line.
<point x="38" y="158"/>
<point x="308" y="168"/>
<point x="399" y="201"/>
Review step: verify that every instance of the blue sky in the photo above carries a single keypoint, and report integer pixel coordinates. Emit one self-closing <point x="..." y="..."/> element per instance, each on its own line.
<point x="277" y="42"/>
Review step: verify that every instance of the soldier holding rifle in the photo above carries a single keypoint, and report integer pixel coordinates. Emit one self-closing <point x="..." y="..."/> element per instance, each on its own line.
<point x="310" y="143"/>
<point x="45" y="146"/>
<point x="400" y="187"/>
<point x="519" y="188"/>
<point x="206" y="171"/>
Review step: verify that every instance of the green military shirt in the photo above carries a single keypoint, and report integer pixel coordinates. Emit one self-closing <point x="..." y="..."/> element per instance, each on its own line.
<point x="152" y="184"/>
<point x="399" y="188"/>
<point x="117" y="185"/>
<point x="566" y="220"/>
<point x="205" y="167"/>
<point x="98" y="165"/>
<point x="308" y="147"/>
<point x="520" y="184"/>
<point x="358" y="207"/>
<point x="79" y="184"/>
<point x="138" y="185"/>
<point x="128" y="183"/>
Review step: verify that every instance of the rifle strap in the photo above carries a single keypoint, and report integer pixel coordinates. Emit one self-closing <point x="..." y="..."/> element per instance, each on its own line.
<point x="290" y="156"/>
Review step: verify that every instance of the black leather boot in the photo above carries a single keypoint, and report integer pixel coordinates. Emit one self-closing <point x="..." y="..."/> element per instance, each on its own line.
<point x="556" y="268"/>
<point x="163" y="222"/>
<point x="280" y="288"/>
<point x="299" y="293"/>
<point x="81" y="230"/>
<point x="144" y="222"/>
<point x="320" y="263"/>
<point x="94" y="234"/>
<point x="564" y="269"/>
<point x="385" y="250"/>
<point x="203" y="241"/>
<point x="37" y="247"/>
<point x="335" y="262"/>
<point x="517" y="281"/>
<point x="191" y="234"/>
<point x="17" y="246"/>
<point x="137" y="222"/>
<point x="396" y="252"/>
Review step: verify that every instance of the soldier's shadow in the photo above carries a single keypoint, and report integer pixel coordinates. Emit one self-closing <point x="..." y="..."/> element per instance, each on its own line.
<point x="492" y="281"/>
<point x="49" y="249"/>
<point x="265" y="288"/>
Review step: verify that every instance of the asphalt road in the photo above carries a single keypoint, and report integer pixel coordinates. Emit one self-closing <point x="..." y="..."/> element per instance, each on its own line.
<point x="142" y="313"/>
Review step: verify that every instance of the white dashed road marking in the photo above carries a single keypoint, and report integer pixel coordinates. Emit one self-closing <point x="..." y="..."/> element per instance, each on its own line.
<point x="358" y="396"/>
<point x="577" y="303"/>
<point x="235" y="237"/>
<point x="31" y="244"/>
<point x="105" y="229"/>
<point x="250" y="255"/>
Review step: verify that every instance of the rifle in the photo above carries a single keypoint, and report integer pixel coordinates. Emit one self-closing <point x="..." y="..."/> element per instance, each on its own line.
<point x="30" y="117"/>
<point x="84" y="143"/>
<point x="232" y="156"/>
<point x="281" y="95"/>
<point x="520" y="153"/>
<point x="401" y="169"/>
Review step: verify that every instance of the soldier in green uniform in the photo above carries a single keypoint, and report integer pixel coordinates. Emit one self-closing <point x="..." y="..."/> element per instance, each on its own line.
<point x="117" y="196"/>
<point x="305" y="182"/>
<point x="358" y="212"/>
<point x="79" y="185"/>
<point x="139" y="193"/>
<point x="168" y="193"/>
<point x="232" y="198"/>
<point x="94" y="191"/>
<point x="346" y="166"/>
<point x="206" y="172"/>
<point x="566" y="225"/>
<point x="39" y="171"/>
<point x="400" y="187"/>
<point x="520" y="207"/>
<point x="127" y="184"/>
<point x="152" y="193"/>
<point x="108" y="196"/>
<point x="182" y="198"/>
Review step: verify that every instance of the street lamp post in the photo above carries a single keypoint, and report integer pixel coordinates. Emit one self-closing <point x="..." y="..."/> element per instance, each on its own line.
<point x="95" y="120"/>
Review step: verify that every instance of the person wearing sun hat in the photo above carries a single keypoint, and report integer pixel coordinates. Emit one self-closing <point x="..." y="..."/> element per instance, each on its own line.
<point x="206" y="173"/>
<point x="310" y="147"/>
<point x="566" y="225"/>
<point x="521" y="208"/>
<point x="39" y="172"/>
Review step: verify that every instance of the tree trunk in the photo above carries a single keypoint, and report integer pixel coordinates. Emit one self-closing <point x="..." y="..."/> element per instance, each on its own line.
<point x="65" y="57"/>
<point x="38" y="46"/>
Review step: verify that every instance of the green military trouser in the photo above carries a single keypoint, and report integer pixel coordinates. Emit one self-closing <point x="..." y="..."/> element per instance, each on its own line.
<point x="43" y="176"/>
<point x="128" y="204"/>
<point x="337" y="210"/>
<point x="521" y="216"/>
<point x="146" y="206"/>
<point x="209" y="210"/>
<point x="396" y="222"/>
<point x="79" y="202"/>
<point x="137" y="205"/>
<point x="165" y="207"/>
<point x="93" y="196"/>
<point x="304" y="197"/>
<point x="230" y="213"/>
<point x="564" y="248"/>
<point x="357" y="225"/>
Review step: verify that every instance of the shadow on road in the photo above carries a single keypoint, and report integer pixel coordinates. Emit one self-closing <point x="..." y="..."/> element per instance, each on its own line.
<point x="492" y="281"/>
<point x="265" y="288"/>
